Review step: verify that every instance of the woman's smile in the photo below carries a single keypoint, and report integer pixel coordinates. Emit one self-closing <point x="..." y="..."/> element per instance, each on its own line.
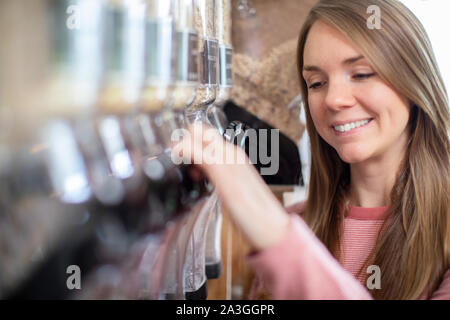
<point x="348" y="128"/>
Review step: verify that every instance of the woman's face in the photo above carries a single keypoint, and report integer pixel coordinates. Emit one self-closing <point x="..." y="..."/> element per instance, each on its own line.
<point x="353" y="110"/>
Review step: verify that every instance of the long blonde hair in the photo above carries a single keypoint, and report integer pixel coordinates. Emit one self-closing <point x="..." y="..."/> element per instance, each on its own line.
<point x="413" y="250"/>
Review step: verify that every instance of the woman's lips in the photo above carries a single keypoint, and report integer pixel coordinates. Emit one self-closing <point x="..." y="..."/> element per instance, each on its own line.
<point x="352" y="130"/>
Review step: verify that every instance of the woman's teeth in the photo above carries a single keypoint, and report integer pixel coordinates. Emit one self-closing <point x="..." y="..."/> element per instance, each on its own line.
<point x="349" y="126"/>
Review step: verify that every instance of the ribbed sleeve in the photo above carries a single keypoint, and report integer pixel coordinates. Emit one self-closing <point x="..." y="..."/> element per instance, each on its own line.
<point x="301" y="267"/>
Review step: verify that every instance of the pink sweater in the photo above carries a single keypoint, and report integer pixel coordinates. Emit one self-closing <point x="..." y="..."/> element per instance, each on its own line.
<point x="301" y="267"/>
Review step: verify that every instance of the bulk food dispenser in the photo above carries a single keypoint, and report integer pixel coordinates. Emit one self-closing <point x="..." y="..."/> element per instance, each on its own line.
<point x="87" y="179"/>
<point x="217" y="118"/>
<point x="203" y="22"/>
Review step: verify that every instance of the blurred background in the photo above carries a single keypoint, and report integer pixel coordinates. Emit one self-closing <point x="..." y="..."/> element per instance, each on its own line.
<point x="434" y="16"/>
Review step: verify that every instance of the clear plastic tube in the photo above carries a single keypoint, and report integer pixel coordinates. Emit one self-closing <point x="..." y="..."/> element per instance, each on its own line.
<point x="223" y="22"/>
<point x="213" y="252"/>
<point x="194" y="266"/>
<point x="209" y="51"/>
<point x="160" y="55"/>
<point x="225" y="51"/>
<point x="124" y="55"/>
<point x="215" y="114"/>
<point x="76" y="55"/>
<point x="217" y="118"/>
<point x="187" y="55"/>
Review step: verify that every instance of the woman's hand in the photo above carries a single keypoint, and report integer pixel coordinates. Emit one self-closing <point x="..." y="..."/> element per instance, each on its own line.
<point x="243" y="192"/>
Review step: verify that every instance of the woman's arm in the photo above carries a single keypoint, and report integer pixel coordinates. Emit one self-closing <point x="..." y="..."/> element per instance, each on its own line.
<point x="243" y="192"/>
<point x="301" y="267"/>
<point x="292" y="261"/>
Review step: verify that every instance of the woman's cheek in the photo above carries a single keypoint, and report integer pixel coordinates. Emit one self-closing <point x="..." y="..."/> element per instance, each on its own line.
<point x="373" y="96"/>
<point x="318" y="115"/>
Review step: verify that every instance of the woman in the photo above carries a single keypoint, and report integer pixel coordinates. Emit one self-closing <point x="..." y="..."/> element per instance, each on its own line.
<point x="377" y="116"/>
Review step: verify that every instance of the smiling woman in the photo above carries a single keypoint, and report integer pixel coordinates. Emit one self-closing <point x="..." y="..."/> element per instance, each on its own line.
<point x="399" y="157"/>
<point x="353" y="109"/>
<point x="378" y="119"/>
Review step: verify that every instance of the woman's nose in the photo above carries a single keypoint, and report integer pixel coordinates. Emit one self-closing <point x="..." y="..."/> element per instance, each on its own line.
<point x="339" y="94"/>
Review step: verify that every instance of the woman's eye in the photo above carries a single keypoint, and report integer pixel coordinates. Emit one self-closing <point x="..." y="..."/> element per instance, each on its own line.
<point x="362" y="76"/>
<point x="315" y="85"/>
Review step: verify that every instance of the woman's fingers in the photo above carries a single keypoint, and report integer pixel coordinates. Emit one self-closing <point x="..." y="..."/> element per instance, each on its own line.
<point x="201" y="144"/>
<point x="187" y="146"/>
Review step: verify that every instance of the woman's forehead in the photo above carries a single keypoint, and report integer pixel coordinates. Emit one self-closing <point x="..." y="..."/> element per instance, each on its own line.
<point x="325" y="43"/>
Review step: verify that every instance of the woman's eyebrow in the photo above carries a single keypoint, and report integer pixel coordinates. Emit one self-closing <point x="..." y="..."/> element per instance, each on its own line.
<point x="345" y="62"/>
<point x="311" y="68"/>
<point x="352" y="60"/>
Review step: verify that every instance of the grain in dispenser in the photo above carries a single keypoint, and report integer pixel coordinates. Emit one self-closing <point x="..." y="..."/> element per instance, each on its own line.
<point x="124" y="52"/>
<point x="187" y="76"/>
<point x="205" y="14"/>
<point x="160" y="44"/>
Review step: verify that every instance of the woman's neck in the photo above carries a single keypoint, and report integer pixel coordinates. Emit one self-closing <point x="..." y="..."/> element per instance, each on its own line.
<point x="371" y="181"/>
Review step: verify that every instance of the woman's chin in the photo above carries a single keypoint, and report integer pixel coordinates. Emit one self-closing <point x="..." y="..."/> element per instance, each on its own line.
<point x="351" y="157"/>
